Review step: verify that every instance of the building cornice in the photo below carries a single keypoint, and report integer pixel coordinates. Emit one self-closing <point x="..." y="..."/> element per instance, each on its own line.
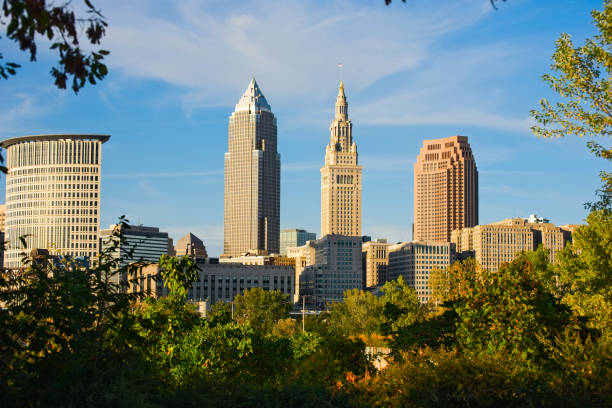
<point x="53" y="137"/>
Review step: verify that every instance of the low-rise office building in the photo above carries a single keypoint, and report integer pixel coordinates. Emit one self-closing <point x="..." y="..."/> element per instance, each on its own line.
<point x="222" y="282"/>
<point x="415" y="260"/>
<point x="496" y="243"/>
<point x="294" y="238"/>
<point x="217" y="282"/>
<point x="375" y="259"/>
<point x="302" y="257"/>
<point x="138" y="243"/>
<point x="337" y="268"/>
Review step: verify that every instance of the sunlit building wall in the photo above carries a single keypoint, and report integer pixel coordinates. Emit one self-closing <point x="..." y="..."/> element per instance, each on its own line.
<point x="53" y="195"/>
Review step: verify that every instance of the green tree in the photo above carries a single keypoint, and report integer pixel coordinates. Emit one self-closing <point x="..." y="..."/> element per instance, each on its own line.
<point x="27" y="21"/>
<point x="261" y="308"/>
<point x="67" y="335"/>
<point x="178" y="275"/>
<point x="359" y="313"/>
<point x="583" y="80"/>
<point x="286" y="328"/>
<point x="220" y="313"/>
<point x="585" y="271"/>
<point x="450" y="283"/>
<point x="509" y="311"/>
<point x="401" y="306"/>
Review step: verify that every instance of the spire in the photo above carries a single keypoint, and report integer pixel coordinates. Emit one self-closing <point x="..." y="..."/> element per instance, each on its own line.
<point x="253" y="99"/>
<point x="341" y="105"/>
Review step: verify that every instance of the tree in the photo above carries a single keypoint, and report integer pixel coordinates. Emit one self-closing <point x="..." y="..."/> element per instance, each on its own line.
<point x="359" y="313"/>
<point x="401" y="306"/>
<point x="27" y="19"/>
<point x="583" y="80"/>
<point x="261" y="308"/>
<point x="178" y="275"/>
<point x="66" y="327"/>
<point x="509" y="311"/>
<point x="585" y="271"/>
<point x="449" y="283"/>
<point x="220" y="313"/>
<point x="286" y="328"/>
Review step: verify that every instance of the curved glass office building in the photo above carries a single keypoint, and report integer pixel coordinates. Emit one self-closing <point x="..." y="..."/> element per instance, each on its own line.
<point x="53" y="195"/>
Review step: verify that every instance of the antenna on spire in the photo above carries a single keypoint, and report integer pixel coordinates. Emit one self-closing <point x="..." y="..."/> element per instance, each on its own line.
<point x="341" y="72"/>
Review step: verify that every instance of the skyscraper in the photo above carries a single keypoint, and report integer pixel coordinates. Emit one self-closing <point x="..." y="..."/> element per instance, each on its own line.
<point x="445" y="188"/>
<point x="341" y="177"/>
<point x="252" y="178"/>
<point x="53" y="194"/>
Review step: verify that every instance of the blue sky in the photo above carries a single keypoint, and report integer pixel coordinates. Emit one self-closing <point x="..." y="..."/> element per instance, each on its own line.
<point x="412" y="71"/>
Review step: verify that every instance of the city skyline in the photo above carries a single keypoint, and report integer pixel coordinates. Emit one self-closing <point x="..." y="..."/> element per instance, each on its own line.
<point x="179" y="190"/>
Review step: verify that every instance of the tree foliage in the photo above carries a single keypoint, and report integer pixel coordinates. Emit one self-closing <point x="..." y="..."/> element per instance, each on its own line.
<point x="27" y="21"/>
<point x="359" y="313"/>
<point x="585" y="271"/>
<point x="582" y="78"/>
<point x="362" y="312"/>
<point x="260" y="308"/>
<point x="178" y="274"/>
<point x="583" y="81"/>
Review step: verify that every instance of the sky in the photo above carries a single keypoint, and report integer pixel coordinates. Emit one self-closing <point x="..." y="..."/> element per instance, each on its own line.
<point x="412" y="71"/>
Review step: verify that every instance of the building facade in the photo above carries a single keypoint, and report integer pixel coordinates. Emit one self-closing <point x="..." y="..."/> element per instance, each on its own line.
<point x="252" y="178"/>
<point x="336" y="269"/>
<point x="2" y="217"/>
<point x="496" y="243"/>
<point x="302" y="256"/>
<point x="224" y="281"/>
<point x="445" y="188"/>
<point x="217" y="282"/>
<point x="2" y="221"/>
<point x="53" y="195"/>
<point x="341" y="177"/>
<point x="375" y="259"/>
<point x="139" y="244"/>
<point x="294" y="238"/>
<point x="415" y="260"/>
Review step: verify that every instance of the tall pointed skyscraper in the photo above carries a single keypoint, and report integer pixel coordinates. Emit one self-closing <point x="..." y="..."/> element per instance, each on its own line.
<point x="341" y="177"/>
<point x="252" y="178"/>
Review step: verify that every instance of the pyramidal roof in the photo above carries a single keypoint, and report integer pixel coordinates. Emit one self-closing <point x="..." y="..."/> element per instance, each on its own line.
<point x="252" y="99"/>
<point x="190" y="239"/>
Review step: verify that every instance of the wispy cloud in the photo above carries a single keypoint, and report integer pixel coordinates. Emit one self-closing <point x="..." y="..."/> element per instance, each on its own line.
<point x="292" y="47"/>
<point x="16" y="120"/>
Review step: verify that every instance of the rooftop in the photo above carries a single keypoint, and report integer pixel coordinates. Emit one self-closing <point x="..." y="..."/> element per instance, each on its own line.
<point x="35" y="138"/>
<point x="253" y="99"/>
